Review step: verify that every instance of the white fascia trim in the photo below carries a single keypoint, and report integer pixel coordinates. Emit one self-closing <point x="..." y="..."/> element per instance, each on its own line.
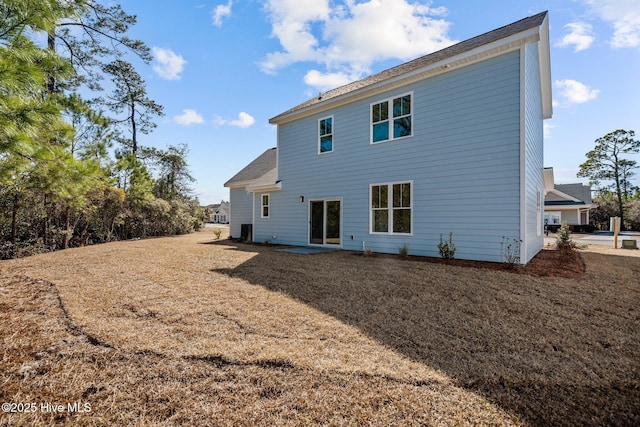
<point x="267" y="187"/>
<point x="544" y="61"/>
<point x="238" y="185"/>
<point x="564" y="195"/>
<point x="241" y="184"/>
<point x="553" y="208"/>
<point x="481" y="53"/>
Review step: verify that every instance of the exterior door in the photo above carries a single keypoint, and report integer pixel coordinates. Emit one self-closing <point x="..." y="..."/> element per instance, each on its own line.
<point x="325" y="222"/>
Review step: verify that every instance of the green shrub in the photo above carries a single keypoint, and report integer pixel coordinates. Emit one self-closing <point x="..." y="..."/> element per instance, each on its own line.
<point x="447" y="249"/>
<point x="563" y="240"/>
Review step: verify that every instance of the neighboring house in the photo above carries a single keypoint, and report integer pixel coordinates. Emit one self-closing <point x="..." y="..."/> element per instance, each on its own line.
<point x="449" y="142"/>
<point x="220" y="213"/>
<point x="569" y="203"/>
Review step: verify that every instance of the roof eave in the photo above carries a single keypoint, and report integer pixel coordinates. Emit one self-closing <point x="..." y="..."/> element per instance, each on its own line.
<point x="495" y="48"/>
<point x="240" y="184"/>
<point x="565" y="195"/>
<point x="586" y="206"/>
<point x="544" y="60"/>
<point x="276" y="186"/>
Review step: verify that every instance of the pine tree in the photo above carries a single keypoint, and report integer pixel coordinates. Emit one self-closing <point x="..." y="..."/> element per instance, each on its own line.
<point x="130" y="98"/>
<point x="606" y="162"/>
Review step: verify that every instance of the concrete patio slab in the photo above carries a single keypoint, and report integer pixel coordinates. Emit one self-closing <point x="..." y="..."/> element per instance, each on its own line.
<point x="307" y="250"/>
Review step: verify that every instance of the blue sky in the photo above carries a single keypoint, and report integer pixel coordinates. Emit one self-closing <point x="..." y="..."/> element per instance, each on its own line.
<point x="223" y="68"/>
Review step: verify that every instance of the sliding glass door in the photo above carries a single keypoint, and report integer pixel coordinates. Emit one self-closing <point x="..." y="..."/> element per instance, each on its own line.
<point x="324" y="224"/>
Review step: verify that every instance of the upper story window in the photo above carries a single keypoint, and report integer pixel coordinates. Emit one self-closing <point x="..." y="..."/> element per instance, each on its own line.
<point x="325" y="135"/>
<point x="265" y="206"/>
<point x="391" y="119"/>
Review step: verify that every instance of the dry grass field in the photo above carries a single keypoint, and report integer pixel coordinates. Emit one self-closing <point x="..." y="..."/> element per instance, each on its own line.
<point x="192" y="331"/>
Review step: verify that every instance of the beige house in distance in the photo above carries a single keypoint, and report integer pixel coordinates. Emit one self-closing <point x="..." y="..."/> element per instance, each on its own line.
<point x="570" y="203"/>
<point x="220" y="213"/>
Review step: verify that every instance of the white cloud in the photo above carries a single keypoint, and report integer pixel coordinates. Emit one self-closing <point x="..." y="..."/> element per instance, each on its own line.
<point x="347" y="38"/>
<point x="221" y="11"/>
<point x="383" y="29"/>
<point x="624" y="15"/>
<point x="189" y="117"/>
<point x="574" y="92"/>
<point x="168" y="64"/>
<point x="326" y="81"/>
<point x="291" y="22"/>
<point x="580" y="36"/>
<point x="244" y="120"/>
<point x="546" y="129"/>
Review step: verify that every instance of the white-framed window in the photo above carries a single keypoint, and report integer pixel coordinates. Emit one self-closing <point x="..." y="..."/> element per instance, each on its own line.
<point x="392" y="118"/>
<point x="264" y="205"/>
<point x="325" y="135"/>
<point x="552" y="218"/>
<point x="391" y="209"/>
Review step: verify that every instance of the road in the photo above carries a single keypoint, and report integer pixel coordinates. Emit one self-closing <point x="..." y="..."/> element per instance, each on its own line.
<point x="604" y="238"/>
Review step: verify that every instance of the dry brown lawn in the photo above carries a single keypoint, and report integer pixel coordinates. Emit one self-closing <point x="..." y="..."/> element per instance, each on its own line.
<point x="191" y="331"/>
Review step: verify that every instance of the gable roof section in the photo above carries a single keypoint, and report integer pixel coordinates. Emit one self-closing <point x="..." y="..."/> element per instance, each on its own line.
<point x="559" y="200"/>
<point x="562" y="196"/>
<point x="510" y="37"/>
<point x="579" y="191"/>
<point x="260" y="172"/>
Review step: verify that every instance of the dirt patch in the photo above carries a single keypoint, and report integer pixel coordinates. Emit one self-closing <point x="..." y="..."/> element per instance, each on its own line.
<point x="175" y="331"/>
<point x="547" y="263"/>
<point x="554" y="263"/>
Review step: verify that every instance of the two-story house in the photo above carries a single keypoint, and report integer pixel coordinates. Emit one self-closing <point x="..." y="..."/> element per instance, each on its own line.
<point x="449" y="142"/>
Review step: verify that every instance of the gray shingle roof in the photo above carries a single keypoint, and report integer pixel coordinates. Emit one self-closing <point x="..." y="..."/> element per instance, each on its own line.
<point x="579" y="191"/>
<point x="424" y="61"/>
<point x="261" y="171"/>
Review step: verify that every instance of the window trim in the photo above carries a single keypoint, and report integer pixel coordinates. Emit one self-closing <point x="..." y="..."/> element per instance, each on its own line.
<point x="549" y="216"/>
<point x="320" y="152"/>
<point x="390" y="208"/>
<point x="268" y="205"/>
<point x="390" y="118"/>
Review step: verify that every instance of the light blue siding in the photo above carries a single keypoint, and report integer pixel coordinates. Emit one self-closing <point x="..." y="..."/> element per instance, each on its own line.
<point x="241" y="204"/>
<point x="464" y="160"/>
<point x="288" y="220"/>
<point x="534" y="166"/>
